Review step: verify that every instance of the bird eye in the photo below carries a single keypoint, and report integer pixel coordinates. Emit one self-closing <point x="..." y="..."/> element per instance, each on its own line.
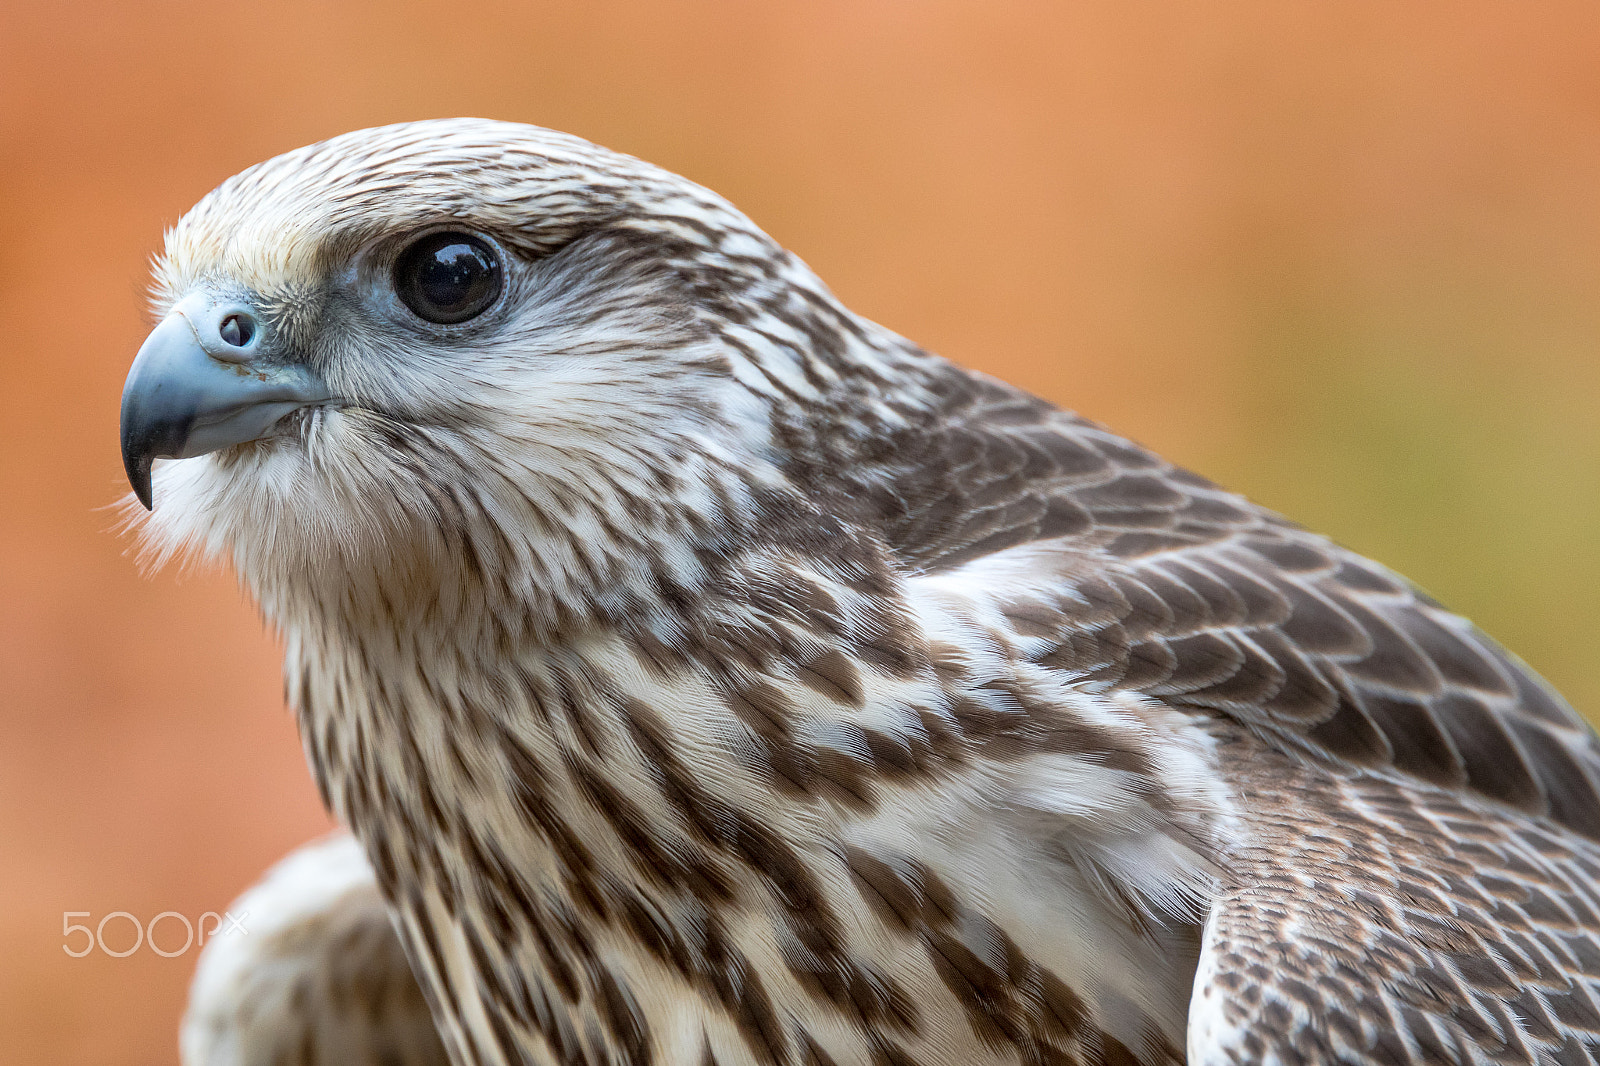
<point x="448" y="277"/>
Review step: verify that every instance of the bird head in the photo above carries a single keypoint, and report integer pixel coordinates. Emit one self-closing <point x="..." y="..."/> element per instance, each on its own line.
<point x="428" y="344"/>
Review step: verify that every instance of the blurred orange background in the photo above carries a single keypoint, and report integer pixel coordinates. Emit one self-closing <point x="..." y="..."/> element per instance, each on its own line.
<point x="1342" y="256"/>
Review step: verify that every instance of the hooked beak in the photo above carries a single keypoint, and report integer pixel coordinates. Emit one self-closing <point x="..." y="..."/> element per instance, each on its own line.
<point x="205" y="378"/>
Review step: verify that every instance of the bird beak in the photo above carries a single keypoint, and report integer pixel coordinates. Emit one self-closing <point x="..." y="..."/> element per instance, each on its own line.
<point x="205" y="378"/>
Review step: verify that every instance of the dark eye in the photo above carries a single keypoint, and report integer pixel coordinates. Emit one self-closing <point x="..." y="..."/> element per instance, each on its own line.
<point x="448" y="277"/>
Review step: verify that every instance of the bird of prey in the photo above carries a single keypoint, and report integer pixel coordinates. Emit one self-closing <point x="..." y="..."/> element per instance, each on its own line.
<point x="711" y="675"/>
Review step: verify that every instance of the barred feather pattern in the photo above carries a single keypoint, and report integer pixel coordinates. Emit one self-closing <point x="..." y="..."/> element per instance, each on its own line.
<point x="712" y="676"/>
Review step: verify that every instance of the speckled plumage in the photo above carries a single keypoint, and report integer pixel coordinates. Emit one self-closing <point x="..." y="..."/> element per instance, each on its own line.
<point x="306" y="969"/>
<point x="712" y="676"/>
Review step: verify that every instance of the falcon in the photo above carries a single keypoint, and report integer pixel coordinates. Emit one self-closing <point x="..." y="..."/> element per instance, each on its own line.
<point x="711" y="676"/>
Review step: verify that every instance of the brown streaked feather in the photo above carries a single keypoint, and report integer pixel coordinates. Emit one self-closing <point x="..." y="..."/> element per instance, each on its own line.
<point x="1172" y="587"/>
<point x="1468" y="935"/>
<point x="308" y="971"/>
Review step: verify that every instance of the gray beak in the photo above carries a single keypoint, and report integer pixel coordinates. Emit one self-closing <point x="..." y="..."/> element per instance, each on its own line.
<point x="206" y="378"/>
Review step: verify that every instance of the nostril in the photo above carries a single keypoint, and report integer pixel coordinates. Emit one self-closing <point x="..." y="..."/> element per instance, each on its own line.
<point x="238" y="330"/>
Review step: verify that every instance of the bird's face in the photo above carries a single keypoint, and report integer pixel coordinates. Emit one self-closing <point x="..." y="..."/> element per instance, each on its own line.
<point x="438" y="336"/>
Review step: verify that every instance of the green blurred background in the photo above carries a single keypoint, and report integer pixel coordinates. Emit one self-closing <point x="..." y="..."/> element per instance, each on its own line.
<point x="1342" y="256"/>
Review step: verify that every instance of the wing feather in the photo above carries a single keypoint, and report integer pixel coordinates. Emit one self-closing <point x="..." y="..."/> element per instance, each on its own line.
<point x="1467" y="934"/>
<point x="1175" y="588"/>
<point x="1419" y="878"/>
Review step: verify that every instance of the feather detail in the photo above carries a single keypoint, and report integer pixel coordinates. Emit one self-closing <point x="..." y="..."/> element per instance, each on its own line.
<point x="712" y="676"/>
